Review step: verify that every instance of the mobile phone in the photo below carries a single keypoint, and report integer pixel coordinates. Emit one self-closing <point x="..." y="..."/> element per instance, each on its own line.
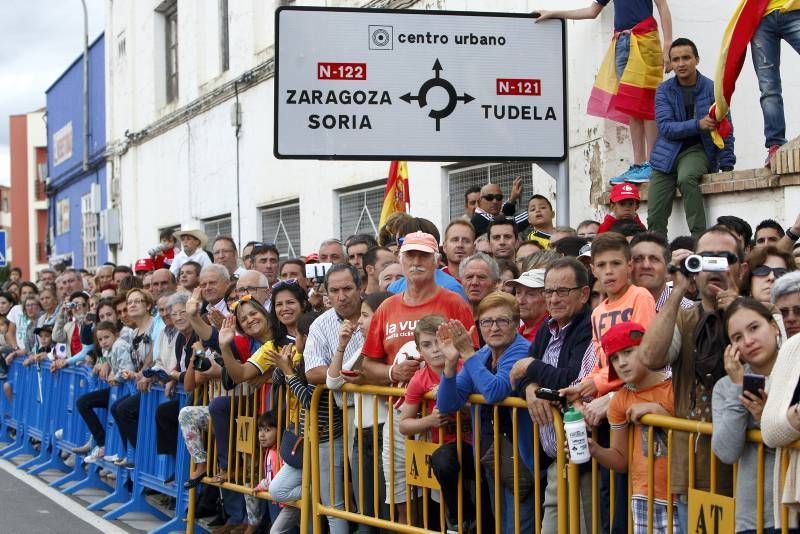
<point x="351" y="374"/>
<point x="753" y="383"/>
<point x="552" y="395"/>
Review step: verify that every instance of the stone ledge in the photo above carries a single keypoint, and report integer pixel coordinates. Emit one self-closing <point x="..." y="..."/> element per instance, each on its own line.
<point x="787" y="159"/>
<point x="735" y="181"/>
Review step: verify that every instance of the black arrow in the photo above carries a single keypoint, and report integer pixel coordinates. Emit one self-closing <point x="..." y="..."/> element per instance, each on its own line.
<point x="437" y="67"/>
<point x="408" y="98"/>
<point x="466" y="98"/>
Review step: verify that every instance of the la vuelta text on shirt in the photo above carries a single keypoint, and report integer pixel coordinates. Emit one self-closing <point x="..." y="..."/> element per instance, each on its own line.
<point x="400" y="329"/>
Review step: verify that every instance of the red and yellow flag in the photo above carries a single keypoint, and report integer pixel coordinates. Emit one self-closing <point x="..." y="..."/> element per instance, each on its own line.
<point x="737" y="36"/>
<point x="396" y="198"/>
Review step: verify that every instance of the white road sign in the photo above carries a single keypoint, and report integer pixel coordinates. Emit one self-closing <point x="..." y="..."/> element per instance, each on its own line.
<point x="418" y="85"/>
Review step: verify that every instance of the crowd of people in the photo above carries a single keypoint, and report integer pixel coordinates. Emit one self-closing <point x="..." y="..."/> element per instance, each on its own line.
<point x="614" y="317"/>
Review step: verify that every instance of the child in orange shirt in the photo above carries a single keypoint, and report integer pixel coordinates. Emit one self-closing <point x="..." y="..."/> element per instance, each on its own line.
<point x="646" y="392"/>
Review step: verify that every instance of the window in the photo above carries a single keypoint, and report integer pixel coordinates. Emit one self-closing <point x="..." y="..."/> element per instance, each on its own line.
<point x="217" y="226"/>
<point x="499" y="173"/>
<point x="281" y="225"/>
<point x="224" y="40"/>
<point x="62" y="216"/>
<point x="360" y="210"/>
<point x="88" y="232"/>
<point x="169" y="9"/>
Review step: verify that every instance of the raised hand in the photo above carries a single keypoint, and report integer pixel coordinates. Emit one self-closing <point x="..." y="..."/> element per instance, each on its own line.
<point x="346" y="331"/>
<point x="195" y="302"/>
<point x="733" y="364"/>
<point x="227" y="330"/>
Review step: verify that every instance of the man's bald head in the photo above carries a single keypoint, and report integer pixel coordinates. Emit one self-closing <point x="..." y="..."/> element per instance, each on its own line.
<point x="161" y="281"/>
<point x="494" y="202"/>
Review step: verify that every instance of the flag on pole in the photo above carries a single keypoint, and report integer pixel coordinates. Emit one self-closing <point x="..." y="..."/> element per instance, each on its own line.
<point x="396" y="198"/>
<point x="737" y="36"/>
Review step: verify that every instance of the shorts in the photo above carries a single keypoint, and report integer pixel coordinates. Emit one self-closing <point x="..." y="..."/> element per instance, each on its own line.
<point x="639" y="516"/>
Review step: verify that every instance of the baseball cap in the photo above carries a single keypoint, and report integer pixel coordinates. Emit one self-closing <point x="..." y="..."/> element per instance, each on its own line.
<point x="420" y="241"/>
<point x="43" y="328"/>
<point x="143" y="265"/>
<point x="624" y="192"/>
<point x="533" y="279"/>
<point x="620" y="337"/>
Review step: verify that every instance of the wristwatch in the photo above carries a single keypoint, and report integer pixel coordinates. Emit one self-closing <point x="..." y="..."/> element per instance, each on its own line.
<point x="793" y="236"/>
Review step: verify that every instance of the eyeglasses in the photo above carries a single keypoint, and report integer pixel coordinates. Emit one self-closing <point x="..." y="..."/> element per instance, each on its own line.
<point x="764" y="270"/>
<point x="501" y="322"/>
<point x="245" y="298"/>
<point x="177" y="315"/>
<point x="789" y="310"/>
<point x="730" y="256"/>
<point x="284" y="283"/>
<point x="560" y="291"/>
<point x="497" y="197"/>
<point x="133" y="302"/>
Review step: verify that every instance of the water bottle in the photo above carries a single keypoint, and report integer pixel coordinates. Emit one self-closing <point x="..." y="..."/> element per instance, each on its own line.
<point x="577" y="438"/>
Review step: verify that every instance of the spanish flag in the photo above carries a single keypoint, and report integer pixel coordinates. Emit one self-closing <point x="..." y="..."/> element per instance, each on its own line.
<point x="737" y="36"/>
<point x="632" y="95"/>
<point x="396" y="197"/>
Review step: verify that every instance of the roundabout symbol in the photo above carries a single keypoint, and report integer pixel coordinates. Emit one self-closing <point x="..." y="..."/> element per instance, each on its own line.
<point x="422" y="95"/>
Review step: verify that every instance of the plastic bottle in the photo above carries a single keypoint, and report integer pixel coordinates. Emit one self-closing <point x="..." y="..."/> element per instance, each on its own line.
<point x="577" y="438"/>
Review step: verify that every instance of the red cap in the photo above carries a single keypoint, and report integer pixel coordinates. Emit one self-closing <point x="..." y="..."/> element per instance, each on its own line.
<point x="312" y="257"/>
<point x="420" y="241"/>
<point x="143" y="265"/>
<point x="620" y="337"/>
<point x="624" y="192"/>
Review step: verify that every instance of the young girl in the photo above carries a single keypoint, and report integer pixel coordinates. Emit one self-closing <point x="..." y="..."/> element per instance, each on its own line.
<point x="754" y="337"/>
<point x="335" y="380"/>
<point x="286" y="518"/>
<point x="286" y="486"/>
<point x="117" y="353"/>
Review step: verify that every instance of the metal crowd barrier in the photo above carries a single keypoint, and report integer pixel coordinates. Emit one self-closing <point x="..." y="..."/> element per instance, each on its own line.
<point x="417" y="517"/>
<point x="43" y="408"/>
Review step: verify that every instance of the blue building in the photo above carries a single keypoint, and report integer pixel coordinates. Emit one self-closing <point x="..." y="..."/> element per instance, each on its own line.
<point x="76" y="195"/>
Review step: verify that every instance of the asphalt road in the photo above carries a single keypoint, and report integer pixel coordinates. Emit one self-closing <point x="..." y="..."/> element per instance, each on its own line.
<point x="25" y="510"/>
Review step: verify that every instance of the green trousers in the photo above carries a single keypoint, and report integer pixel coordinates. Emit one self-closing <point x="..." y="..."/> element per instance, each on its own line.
<point x="692" y="164"/>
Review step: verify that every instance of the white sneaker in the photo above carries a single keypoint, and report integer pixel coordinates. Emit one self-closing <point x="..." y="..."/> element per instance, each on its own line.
<point x="111" y="458"/>
<point x="70" y="461"/>
<point x="58" y="434"/>
<point x="96" y="454"/>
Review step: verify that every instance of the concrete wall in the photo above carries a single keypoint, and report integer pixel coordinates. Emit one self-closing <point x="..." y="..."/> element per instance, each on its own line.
<point x="188" y="171"/>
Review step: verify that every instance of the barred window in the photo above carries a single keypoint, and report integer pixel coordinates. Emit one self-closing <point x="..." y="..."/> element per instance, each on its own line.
<point x="281" y="225"/>
<point x="502" y="174"/>
<point x="88" y="232"/>
<point x="360" y="210"/>
<point x="217" y="226"/>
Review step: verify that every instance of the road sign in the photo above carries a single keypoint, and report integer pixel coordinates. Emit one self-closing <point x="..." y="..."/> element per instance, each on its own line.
<point x="418" y="85"/>
<point x="3" y="252"/>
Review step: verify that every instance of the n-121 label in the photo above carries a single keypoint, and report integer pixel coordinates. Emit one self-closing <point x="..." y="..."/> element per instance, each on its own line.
<point x="519" y="87"/>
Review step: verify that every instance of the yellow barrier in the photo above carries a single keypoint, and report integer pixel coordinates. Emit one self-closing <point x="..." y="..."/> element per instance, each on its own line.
<point x="416" y="516"/>
<point x="695" y="429"/>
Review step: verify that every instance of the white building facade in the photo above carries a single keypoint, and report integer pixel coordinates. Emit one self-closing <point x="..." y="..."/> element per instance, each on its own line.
<point x="189" y="88"/>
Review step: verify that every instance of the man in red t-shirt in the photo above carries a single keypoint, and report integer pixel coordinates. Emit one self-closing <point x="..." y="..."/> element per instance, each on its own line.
<point x="390" y="352"/>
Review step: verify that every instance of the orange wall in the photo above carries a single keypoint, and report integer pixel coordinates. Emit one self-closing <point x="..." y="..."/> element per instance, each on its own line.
<point x="18" y="236"/>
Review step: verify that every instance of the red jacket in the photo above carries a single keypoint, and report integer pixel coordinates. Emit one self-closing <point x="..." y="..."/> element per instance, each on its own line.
<point x="609" y="221"/>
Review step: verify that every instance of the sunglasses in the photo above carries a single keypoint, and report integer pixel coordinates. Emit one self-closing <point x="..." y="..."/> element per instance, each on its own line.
<point x="284" y="283"/>
<point x="498" y="197"/>
<point x="764" y="270"/>
<point x="245" y="298"/>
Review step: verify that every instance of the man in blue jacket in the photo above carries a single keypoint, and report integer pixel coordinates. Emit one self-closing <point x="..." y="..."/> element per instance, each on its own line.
<point x="684" y="150"/>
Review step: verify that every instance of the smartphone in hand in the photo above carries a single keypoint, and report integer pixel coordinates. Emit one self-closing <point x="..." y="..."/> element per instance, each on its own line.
<point x="753" y="383"/>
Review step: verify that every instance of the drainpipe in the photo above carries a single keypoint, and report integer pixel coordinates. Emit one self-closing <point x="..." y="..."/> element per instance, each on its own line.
<point x="85" y="87"/>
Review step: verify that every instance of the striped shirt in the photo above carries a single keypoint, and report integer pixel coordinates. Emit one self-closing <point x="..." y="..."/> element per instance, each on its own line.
<point x="685" y="303"/>
<point x="323" y="340"/>
<point x="546" y="432"/>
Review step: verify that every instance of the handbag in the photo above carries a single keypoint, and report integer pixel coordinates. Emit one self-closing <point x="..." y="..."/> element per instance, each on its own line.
<point x="507" y="454"/>
<point x="292" y="449"/>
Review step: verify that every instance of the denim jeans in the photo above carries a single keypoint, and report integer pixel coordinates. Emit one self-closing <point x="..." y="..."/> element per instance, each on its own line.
<point x="765" y="47"/>
<point x="369" y="478"/>
<point x="507" y="503"/>
<point x="337" y="526"/>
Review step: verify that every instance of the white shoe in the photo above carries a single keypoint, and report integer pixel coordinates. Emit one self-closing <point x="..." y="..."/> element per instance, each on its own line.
<point x="111" y="458"/>
<point x="70" y="461"/>
<point x="96" y="454"/>
<point x="58" y="434"/>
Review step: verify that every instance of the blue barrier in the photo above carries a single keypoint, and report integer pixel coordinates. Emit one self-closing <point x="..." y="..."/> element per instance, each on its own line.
<point x="114" y="446"/>
<point x="152" y="469"/>
<point x="69" y="384"/>
<point x="38" y="427"/>
<point x="18" y="377"/>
